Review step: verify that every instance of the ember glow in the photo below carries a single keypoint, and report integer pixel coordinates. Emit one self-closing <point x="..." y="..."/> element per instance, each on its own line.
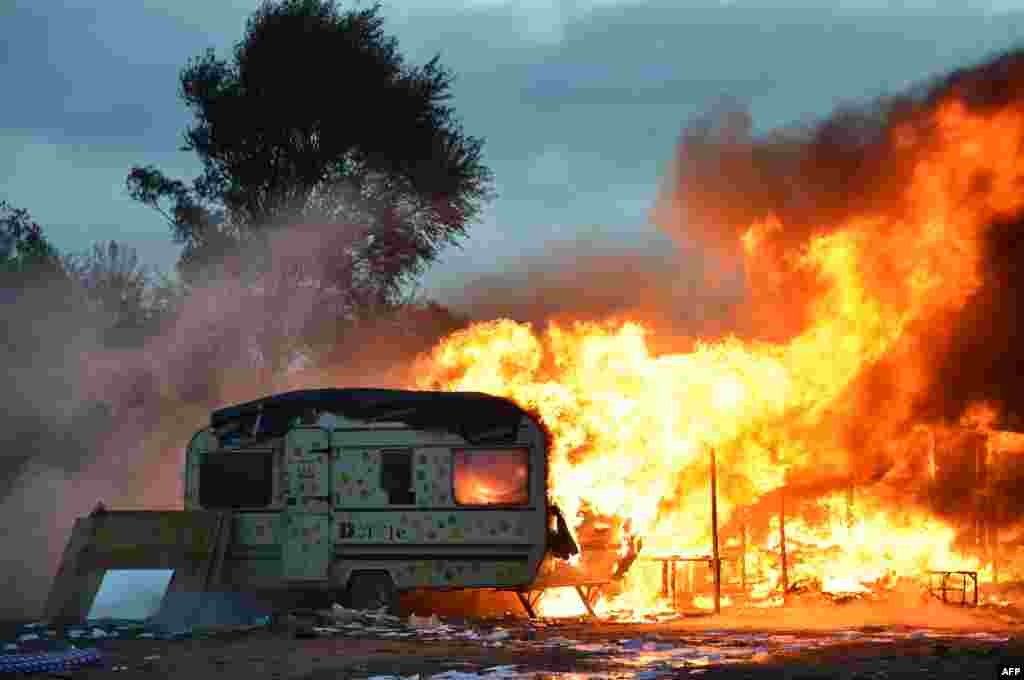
<point x="798" y="420"/>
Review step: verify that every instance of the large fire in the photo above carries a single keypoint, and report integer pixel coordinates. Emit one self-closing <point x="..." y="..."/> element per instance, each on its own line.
<point x="633" y="430"/>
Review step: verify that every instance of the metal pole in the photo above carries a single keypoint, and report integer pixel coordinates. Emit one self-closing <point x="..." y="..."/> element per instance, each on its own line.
<point x="717" y="562"/>
<point x="782" y="543"/>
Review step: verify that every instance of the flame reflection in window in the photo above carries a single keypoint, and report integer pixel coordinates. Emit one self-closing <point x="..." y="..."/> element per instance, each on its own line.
<point x="492" y="477"/>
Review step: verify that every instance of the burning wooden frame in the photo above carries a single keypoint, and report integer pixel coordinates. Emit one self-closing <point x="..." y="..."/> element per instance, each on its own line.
<point x="940" y="588"/>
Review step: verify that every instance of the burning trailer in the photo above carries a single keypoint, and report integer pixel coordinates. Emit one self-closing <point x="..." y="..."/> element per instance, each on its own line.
<point x="353" y="495"/>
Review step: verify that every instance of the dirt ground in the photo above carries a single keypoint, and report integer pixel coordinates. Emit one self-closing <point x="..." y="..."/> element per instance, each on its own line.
<point x="280" y="655"/>
<point x="258" y="657"/>
<point x="865" y="642"/>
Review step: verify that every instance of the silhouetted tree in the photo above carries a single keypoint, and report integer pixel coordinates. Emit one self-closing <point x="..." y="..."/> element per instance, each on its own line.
<point x="317" y="122"/>
<point x="26" y="256"/>
<point x="317" y="118"/>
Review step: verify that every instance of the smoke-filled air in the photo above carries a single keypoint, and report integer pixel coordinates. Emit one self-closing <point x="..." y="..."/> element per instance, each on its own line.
<point x="862" y="379"/>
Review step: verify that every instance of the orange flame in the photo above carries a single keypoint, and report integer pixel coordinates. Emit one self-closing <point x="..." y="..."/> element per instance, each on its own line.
<point x="632" y="429"/>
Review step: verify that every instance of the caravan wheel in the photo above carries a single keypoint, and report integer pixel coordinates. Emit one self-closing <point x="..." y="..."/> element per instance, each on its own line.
<point x="372" y="591"/>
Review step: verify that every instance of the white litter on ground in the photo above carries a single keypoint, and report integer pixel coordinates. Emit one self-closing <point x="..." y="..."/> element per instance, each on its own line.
<point x="651" y="659"/>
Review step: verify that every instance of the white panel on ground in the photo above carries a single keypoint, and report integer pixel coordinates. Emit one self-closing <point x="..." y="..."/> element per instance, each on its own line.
<point x="130" y="593"/>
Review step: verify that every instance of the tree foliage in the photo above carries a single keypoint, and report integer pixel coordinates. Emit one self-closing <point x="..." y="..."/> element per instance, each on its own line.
<point x="317" y="117"/>
<point x="26" y="256"/>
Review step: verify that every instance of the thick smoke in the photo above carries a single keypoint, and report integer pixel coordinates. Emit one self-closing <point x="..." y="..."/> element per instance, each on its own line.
<point x="50" y="431"/>
<point x="810" y="178"/>
<point x="121" y="418"/>
<point x="644" y="280"/>
<point x="985" y="360"/>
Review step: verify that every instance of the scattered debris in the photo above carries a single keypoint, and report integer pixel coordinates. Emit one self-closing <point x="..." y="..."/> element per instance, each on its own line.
<point x="649" y="656"/>
<point x="48" y="662"/>
<point x="424" y="621"/>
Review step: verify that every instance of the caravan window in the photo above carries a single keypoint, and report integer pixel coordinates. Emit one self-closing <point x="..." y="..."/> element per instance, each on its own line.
<point x="396" y="476"/>
<point x="240" y="479"/>
<point x="491" y="477"/>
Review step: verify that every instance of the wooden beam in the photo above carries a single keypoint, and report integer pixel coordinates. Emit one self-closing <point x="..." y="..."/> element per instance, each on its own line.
<point x="527" y="605"/>
<point x="586" y="601"/>
<point x="717" y="563"/>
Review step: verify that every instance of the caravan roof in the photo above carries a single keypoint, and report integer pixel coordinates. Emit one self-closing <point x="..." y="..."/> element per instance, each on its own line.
<point x="472" y="415"/>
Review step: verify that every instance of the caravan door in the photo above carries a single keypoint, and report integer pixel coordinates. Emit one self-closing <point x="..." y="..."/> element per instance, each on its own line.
<point x="306" y="551"/>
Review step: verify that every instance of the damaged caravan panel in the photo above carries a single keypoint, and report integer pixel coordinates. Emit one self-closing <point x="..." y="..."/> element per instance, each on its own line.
<point x="363" y="493"/>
